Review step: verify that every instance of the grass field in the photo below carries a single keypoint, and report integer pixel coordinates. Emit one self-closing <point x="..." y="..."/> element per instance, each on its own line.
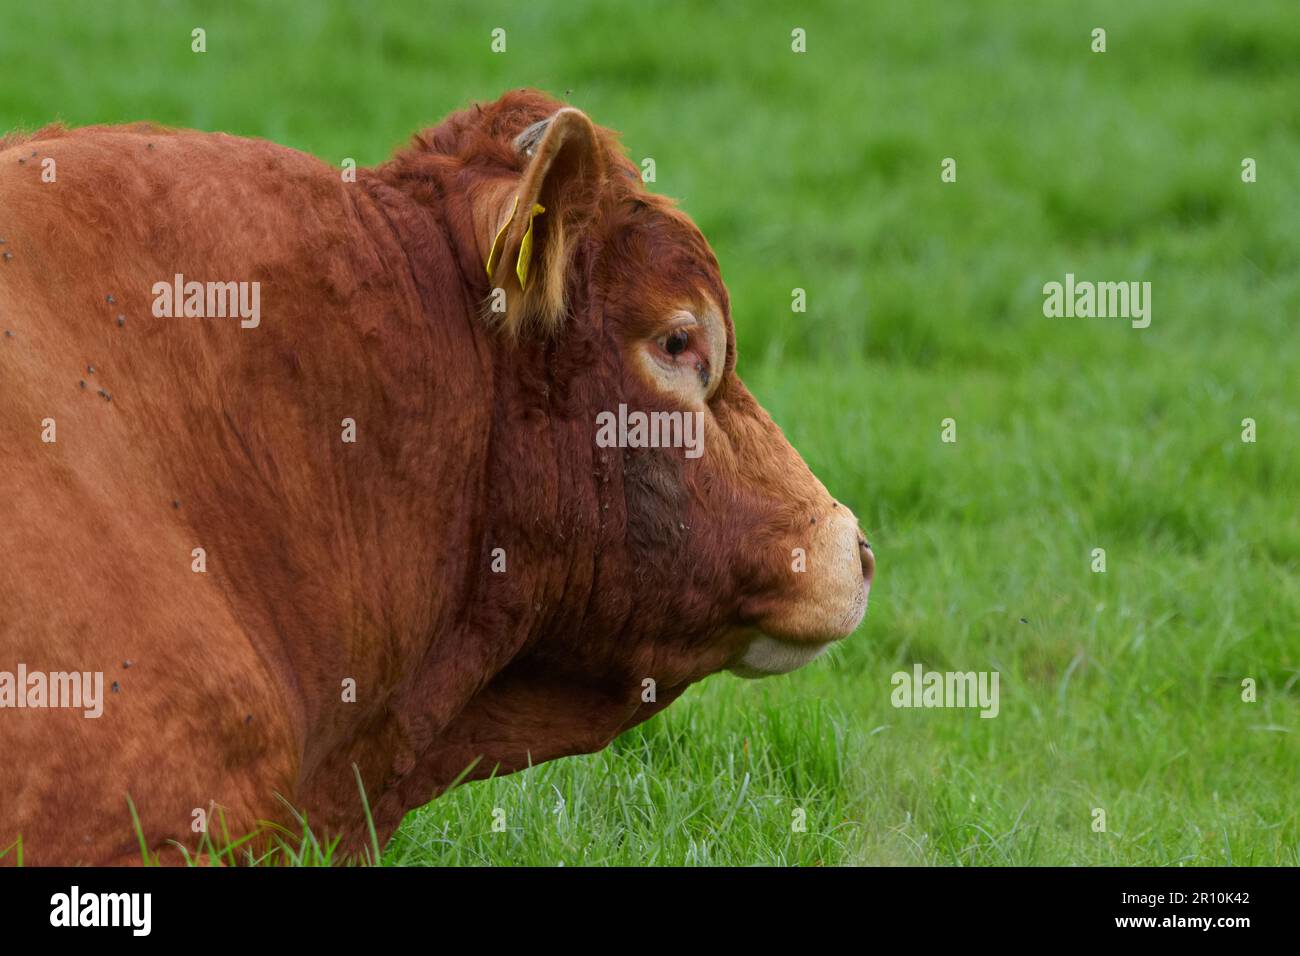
<point x="1120" y="690"/>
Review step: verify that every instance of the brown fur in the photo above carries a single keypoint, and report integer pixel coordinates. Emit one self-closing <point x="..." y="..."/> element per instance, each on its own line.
<point x="371" y="560"/>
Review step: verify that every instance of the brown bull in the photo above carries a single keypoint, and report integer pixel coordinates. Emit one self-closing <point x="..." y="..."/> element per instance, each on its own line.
<point x="320" y="471"/>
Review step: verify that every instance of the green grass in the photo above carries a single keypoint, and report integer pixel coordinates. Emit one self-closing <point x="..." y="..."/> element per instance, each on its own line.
<point x="1121" y="690"/>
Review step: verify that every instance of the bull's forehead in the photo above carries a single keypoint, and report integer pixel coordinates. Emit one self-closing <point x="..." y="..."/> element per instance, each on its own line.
<point x="657" y="254"/>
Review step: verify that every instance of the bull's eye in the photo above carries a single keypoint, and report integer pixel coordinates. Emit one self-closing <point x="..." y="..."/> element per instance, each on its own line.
<point x="675" y="342"/>
<point x="681" y="351"/>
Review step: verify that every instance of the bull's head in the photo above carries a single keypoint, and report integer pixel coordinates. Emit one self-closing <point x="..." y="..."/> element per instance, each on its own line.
<point x="622" y="562"/>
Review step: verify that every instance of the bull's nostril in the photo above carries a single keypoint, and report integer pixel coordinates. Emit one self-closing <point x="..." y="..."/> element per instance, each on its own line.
<point x="868" y="559"/>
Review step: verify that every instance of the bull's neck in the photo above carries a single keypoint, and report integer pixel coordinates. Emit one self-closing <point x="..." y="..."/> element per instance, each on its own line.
<point x="340" y="508"/>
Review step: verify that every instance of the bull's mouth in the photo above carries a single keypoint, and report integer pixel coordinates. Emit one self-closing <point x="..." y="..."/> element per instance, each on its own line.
<point x="768" y="656"/>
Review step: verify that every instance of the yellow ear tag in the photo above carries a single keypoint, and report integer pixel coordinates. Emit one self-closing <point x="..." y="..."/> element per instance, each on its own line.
<point x="495" y="253"/>
<point x="526" y="247"/>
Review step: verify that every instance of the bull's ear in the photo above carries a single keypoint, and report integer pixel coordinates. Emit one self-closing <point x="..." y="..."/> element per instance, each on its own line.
<point x="534" y="229"/>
